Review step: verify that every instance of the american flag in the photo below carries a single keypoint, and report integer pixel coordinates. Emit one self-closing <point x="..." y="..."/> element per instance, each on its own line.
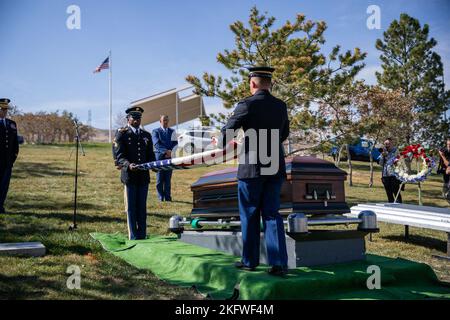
<point x="104" y="65"/>
<point x="206" y="158"/>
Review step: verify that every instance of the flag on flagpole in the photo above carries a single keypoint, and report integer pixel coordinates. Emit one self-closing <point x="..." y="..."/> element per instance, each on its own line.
<point x="104" y="65"/>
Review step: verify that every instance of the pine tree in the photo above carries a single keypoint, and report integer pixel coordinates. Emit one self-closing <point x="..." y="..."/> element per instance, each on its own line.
<point x="411" y="66"/>
<point x="303" y="73"/>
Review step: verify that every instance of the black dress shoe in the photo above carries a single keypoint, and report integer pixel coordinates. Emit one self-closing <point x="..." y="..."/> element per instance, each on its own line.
<point x="277" y="271"/>
<point x="242" y="266"/>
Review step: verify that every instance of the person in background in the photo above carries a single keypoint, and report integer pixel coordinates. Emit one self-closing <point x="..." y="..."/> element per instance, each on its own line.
<point x="164" y="140"/>
<point x="9" y="150"/>
<point x="390" y="182"/>
<point x="444" y="168"/>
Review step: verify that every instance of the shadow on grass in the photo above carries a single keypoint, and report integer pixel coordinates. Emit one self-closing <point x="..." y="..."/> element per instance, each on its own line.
<point x="360" y="166"/>
<point x="19" y="203"/>
<point x="423" y="241"/>
<point x="25" y="170"/>
<point x="179" y="201"/>
<point x="58" y="249"/>
<point x="69" y="217"/>
<point x="25" y="287"/>
<point x="159" y="215"/>
<point x="17" y="233"/>
<point x="117" y="277"/>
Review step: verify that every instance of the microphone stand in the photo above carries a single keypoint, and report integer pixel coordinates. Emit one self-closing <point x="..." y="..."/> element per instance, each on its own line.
<point x="73" y="226"/>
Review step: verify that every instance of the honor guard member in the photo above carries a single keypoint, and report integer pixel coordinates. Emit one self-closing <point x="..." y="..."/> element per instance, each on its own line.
<point x="164" y="140"/>
<point x="118" y="167"/>
<point x="259" y="190"/>
<point x="9" y="149"/>
<point x="134" y="146"/>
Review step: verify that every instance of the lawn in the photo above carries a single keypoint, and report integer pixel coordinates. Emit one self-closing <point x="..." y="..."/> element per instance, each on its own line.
<point x="39" y="208"/>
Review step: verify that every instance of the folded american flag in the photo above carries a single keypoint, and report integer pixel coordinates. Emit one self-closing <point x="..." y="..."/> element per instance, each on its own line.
<point x="206" y="158"/>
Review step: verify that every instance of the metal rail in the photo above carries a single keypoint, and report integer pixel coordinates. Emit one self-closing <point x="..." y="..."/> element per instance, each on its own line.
<point x="311" y="222"/>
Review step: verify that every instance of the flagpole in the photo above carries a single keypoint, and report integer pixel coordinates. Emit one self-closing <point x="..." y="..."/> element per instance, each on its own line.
<point x="110" y="97"/>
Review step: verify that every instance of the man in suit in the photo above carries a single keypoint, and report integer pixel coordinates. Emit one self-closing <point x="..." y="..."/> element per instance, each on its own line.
<point x="9" y="150"/>
<point x="134" y="146"/>
<point x="259" y="182"/>
<point x="164" y="140"/>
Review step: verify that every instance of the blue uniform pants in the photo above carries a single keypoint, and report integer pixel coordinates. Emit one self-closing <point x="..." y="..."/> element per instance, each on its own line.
<point x="137" y="211"/>
<point x="163" y="184"/>
<point x="5" y="177"/>
<point x="261" y="197"/>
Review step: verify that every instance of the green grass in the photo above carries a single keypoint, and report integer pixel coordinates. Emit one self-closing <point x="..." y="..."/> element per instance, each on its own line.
<point x="39" y="208"/>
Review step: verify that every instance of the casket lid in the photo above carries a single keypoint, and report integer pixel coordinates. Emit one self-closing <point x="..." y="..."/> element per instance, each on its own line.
<point x="304" y="165"/>
<point x="311" y="165"/>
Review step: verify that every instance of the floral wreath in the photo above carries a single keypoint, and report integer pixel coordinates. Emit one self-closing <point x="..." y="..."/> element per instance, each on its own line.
<point x="401" y="164"/>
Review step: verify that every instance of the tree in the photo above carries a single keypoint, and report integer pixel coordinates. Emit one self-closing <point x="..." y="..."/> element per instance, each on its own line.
<point x="120" y="121"/>
<point x="411" y="66"/>
<point x="303" y="74"/>
<point x="383" y="114"/>
<point x="43" y="127"/>
<point x="339" y="111"/>
<point x="205" y="121"/>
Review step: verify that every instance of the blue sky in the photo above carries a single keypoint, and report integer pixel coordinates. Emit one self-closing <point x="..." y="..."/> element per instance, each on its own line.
<point x="155" y="44"/>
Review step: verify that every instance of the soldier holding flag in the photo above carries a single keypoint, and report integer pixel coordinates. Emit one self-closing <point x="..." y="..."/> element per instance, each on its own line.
<point x="133" y="146"/>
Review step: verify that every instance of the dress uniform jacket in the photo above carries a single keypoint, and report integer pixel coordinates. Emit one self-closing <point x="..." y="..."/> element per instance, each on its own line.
<point x="260" y="111"/>
<point x="259" y="192"/>
<point x="9" y="143"/>
<point x="133" y="148"/>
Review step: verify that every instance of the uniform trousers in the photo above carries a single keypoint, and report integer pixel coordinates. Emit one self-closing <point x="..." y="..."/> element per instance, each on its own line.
<point x="261" y="197"/>
<point x="137" y="210"/>
<point x="5" y="177"/>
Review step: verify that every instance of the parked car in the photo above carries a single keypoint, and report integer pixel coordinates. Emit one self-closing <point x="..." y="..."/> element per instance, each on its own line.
<point x="196" y="140"/>
<point x="359" y="151"/>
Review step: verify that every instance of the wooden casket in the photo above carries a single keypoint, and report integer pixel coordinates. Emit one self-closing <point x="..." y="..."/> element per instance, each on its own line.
<point x="313" y="186"/>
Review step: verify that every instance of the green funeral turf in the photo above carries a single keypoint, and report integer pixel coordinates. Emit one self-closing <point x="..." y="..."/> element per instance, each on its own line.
<point x="213" y="273"/>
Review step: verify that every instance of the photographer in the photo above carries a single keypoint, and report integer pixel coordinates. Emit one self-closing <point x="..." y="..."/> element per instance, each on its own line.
<point x="444" y="168"/>
<point x="390" y="182"/>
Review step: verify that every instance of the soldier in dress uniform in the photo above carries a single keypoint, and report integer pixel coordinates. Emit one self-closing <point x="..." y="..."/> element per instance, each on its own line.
<point x="9" y="149"/>
<point x="259" y="189"/>
<point x="133" y="145"/>
<point x="118" y="167"/>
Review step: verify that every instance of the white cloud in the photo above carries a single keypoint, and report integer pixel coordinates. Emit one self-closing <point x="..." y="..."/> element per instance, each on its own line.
<point x="368" y="74"/>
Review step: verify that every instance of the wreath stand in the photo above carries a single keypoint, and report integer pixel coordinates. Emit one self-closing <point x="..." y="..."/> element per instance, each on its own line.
<point x="419" y="188"/>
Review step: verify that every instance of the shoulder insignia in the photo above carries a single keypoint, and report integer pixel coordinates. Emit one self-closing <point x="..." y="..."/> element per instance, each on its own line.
<point x="13" y="125"/>
<point x="122" y="129"/>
